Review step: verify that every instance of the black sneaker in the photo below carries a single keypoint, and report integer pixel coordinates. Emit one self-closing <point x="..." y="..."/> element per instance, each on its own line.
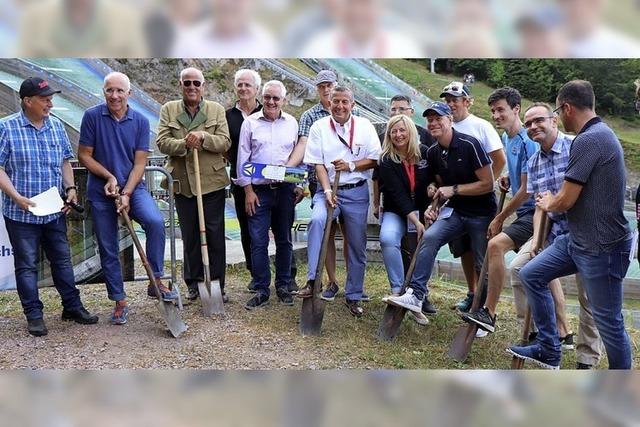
<point x="284" y="296"/>
<point x="36" y="327"/>
<point x="258" y="300"/>
<point x="80" y="315"/>
<point x="251" y="287"/>
<point x="192" y="292"/>
<point x="482" y="318"/>
<point x="567" y="342"/>
<point x="580" y="365"/>
<point x="293" y="287"/>
<point x="465" y="305"/>
<point x="427" y="307"/>
<point x="354" y="308"/>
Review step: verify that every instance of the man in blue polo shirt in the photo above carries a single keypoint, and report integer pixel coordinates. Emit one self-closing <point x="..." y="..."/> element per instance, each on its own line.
<point x="34" y="156"/>
<point x="505" y="111"/>
<point x="598" y="244"/>
<point x="114" y="145"/>
<point x="462" y="173"/>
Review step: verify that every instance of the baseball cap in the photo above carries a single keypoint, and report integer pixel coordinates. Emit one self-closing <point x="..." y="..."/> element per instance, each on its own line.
<point x="35" y="86"/>
<point x="456" y="89"/>
<point x="440" y="108"/>
<point x="325" y="76"/>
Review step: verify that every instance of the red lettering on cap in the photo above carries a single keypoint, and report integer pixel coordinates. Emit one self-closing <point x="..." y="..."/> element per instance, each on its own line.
<point x="43" y="84"/>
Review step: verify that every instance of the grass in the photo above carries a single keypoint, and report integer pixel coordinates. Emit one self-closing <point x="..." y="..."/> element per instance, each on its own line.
<point x="417" y="74"/>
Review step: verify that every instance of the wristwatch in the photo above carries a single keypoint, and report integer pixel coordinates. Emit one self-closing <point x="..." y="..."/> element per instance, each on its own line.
<point x="352" y="166"/>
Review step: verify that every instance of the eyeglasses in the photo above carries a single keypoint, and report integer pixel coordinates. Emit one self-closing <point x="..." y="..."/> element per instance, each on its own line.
<point x="400" y="109"/>
<point x="187" y="83"/>
<point x="536" y="121"/>
<point x="457" y="89"/>
<point x="556" y="111"/>
<point x="268" y="98"/>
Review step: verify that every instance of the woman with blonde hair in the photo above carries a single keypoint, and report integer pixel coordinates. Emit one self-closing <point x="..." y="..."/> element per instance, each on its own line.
<point x="403" y="175"/>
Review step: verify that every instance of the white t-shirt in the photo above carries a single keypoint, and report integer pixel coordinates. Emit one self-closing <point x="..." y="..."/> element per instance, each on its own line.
<point x="481" y="130"/>
<point x="324" y="146"/>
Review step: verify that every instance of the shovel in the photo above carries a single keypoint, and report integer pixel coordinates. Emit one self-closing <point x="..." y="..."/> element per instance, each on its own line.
<point x="516" y="362"/>
<point x="210" y="291"/>
<point x="393" y="315"/>
<point x="312" y="311"/>
<point x="463" y="340"/>
<point x="168" y="310"/>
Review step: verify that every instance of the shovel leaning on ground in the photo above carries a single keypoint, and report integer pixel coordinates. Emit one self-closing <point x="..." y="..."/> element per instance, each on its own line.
<point x="312" y="311"/>
<point x="463" y="340"/>
<point x="516" y="362"/>
<point x="210" y="291"/>
<point x="167" y="309"/>
<point x="393" y="315"/>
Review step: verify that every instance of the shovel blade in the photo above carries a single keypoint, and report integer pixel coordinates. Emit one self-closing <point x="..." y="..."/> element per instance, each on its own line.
<point x="462" y="342"/>
<point x="206" y="299"/>
<point x="171" y="316"/>
<point x="311" y="316"/>
<point x="390" y="323"/>
<point x="216" y="296"/>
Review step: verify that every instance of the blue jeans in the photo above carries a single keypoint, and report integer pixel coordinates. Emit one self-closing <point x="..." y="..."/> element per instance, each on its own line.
<point x="26" y="240"/>
<point x="275" y="212"/>
<point x="602" y="274"/>
<point x="353" y="205"/>
<point x="392" y="230"/>
<point x="144" y="211"/>
<point x="439" y="234"/>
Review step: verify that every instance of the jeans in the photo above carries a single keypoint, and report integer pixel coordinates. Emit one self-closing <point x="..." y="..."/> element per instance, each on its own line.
<point x="144" y="211"/>
<point x="26" y="240"/>
<point x="602" y="274"/>
<point x="275" y="212"/>
<point x="439" y="234"/>
<point x="393" y="228"/>
<point x="353" y="205"/>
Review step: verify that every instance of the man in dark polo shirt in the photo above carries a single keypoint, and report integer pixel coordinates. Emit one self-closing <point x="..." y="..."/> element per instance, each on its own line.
<point x="461" y="172"/>
<point x="114" y="146"/>
<point x="598" y="244"/>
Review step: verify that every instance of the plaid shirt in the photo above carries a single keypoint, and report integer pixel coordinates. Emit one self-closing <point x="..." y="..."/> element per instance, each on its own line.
<point x="32" y="158"/>
<point x="546" y="173"/>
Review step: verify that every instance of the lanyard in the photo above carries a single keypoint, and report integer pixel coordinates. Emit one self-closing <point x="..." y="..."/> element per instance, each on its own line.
<point x="411" y="173"/>
<point x="350" y="144"/>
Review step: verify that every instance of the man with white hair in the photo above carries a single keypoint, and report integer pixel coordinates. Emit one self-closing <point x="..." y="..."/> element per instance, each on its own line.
<point x="269" y="136"/>
<point x="114" y="146"/>
<point x="188" y="124"/>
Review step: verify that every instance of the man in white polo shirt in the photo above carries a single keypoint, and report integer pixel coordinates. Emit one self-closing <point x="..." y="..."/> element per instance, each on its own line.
<point x="349" y="144"/>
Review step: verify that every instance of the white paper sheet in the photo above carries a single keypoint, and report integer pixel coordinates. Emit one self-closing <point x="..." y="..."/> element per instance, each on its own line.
<point x="47" y="203"/>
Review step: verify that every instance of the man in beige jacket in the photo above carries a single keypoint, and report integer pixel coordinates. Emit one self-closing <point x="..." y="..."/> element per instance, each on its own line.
<point x="188" y="124"/>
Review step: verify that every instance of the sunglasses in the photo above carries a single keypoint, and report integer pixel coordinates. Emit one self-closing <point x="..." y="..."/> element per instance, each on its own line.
<point x="187" y="83"/>
<point x="456" y="88"/>
<point x="268" y="98"/>
<point x="536" y="121"/>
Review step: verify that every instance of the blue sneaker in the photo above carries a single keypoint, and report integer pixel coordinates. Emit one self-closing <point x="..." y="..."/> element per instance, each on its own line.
<point x="119" y="315"/>
<point x="330" y="293"/>
<point x="167" y="294"/>
<point x="536" y="354"/>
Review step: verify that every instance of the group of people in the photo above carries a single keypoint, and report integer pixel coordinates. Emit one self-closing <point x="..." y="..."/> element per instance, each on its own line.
<point x="436" y="182"/>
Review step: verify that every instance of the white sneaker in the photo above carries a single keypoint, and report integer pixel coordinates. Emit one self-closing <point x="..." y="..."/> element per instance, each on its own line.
<point x="419" y="318"/>
<point x="408" y="301"/>
<point x="481" y="333"/>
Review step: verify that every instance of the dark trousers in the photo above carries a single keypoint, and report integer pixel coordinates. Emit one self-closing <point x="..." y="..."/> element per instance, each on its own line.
<point x="241" y="214"/>
<point x="275" y="212"/>
<point x="187" y="207"/>
<point x="26" y="240"/>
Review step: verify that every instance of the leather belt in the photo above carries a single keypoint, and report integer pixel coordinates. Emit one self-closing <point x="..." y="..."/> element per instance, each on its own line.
<point x="350" y="186"/>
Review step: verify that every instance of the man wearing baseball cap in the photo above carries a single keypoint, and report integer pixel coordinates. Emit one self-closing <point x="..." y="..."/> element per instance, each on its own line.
<point x="461" y="173"/>
<point x="458" y="97"/>
<point x="32" y="141"/>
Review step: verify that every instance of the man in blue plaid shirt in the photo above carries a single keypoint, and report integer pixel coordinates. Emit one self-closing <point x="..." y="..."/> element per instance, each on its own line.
<point x="34" y="156"/>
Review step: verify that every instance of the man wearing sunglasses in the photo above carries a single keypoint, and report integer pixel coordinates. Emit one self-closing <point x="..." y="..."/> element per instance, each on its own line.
<point x="188" y="124"/>
<point x="269" y="136"/>
<point x="598" y="244"/>
<point x="458" y="97"/>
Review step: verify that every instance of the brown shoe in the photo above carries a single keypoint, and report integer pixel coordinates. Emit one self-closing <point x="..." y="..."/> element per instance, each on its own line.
<point x="307" y="291"/>
<point x="355" y="308"/>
